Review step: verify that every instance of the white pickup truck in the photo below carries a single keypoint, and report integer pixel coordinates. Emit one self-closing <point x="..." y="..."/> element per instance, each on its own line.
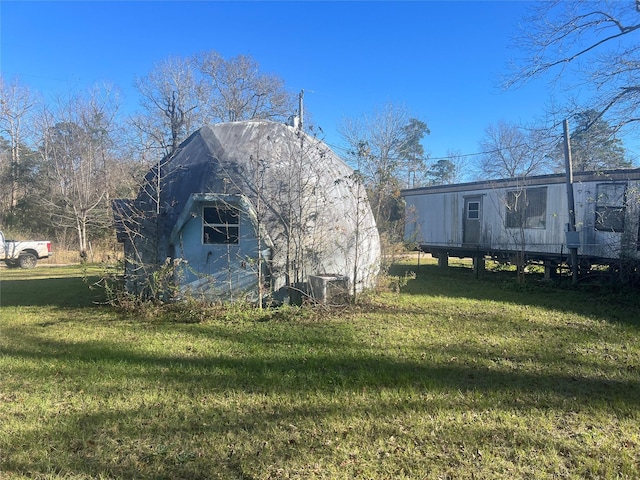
<point x="23" y="254"/>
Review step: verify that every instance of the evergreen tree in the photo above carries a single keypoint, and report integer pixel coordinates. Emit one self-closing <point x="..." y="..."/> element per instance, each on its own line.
<point x="594" y="145"/>
<point x="442" y="172"/>
<point x="411" y="152"/>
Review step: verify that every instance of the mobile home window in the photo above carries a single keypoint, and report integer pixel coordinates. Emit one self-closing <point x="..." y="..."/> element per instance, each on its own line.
<point x="220" y="225"/>
<point x="526" y="208"/>
<point x="610" y="207"/>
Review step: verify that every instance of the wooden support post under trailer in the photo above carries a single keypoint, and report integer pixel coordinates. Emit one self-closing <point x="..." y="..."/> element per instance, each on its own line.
<point x="478" y="264"/>
<point x="443" y="260"/>
<point x="528" y="219"/>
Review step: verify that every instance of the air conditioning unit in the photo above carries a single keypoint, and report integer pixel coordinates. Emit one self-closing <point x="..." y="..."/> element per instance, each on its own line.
<point x="329" y="288"/>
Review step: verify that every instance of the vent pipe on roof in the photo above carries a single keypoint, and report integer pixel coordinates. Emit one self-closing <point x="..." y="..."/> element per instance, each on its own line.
<point x="300" y="110"/>
<point x="293" y="121"/>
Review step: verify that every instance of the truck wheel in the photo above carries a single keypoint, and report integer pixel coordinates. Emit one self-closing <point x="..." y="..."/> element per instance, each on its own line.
<point x="27" y="260"/>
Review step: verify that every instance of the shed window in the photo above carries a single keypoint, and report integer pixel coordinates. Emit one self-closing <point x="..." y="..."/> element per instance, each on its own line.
<point x="610" y="207"/>
<point x="527" y="208"/>
<point x="220" y="225"/>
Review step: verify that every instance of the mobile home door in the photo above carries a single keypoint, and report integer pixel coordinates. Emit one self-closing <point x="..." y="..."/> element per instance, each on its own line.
<point x="472" y="219"/>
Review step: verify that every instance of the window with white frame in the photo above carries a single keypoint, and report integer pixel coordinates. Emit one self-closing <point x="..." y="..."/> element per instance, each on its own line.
<point x="220" y="224"/>
<point x="610" y="207"/>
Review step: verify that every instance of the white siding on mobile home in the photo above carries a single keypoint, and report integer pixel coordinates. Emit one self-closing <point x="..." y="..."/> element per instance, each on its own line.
<point x="507" y="216"/>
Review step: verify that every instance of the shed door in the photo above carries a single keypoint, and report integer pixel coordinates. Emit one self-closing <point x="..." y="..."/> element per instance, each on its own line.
<point x="472" y="218"/>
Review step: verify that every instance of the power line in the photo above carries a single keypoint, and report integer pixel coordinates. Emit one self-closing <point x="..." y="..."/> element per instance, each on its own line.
<point x="488" y="152"/>
<point x="465" y="155"/>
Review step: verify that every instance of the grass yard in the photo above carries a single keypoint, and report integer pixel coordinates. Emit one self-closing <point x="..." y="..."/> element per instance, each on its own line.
<point x="452" y="378"/>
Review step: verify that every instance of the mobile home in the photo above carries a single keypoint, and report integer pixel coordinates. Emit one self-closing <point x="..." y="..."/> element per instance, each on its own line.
<point x="529" y="218"/>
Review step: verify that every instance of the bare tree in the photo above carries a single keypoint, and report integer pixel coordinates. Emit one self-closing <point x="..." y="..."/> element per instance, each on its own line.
<point x="235" y="90"/>
<point x="77" y="146"/>
<point x="378" y="147"/>
<point x="16" y="104"/>
<point x="585" y="43"/>
<point x="460" y="166"/>
<point x="511" y="151"/>
<point x="170" y="96"/>
<point x="292" y="200"/>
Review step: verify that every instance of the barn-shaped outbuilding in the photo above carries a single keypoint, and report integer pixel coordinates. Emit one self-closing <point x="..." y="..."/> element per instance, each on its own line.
<point x="250" y="209"/>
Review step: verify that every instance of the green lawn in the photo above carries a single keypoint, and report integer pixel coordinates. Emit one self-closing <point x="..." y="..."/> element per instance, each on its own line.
<point x="453" y="378"/>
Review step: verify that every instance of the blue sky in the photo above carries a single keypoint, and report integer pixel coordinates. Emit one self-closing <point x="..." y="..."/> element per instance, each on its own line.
<point x="441" y="60"/>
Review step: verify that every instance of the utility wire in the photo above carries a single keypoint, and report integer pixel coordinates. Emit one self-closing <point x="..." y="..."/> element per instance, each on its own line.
<point x="488" y="152"/>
